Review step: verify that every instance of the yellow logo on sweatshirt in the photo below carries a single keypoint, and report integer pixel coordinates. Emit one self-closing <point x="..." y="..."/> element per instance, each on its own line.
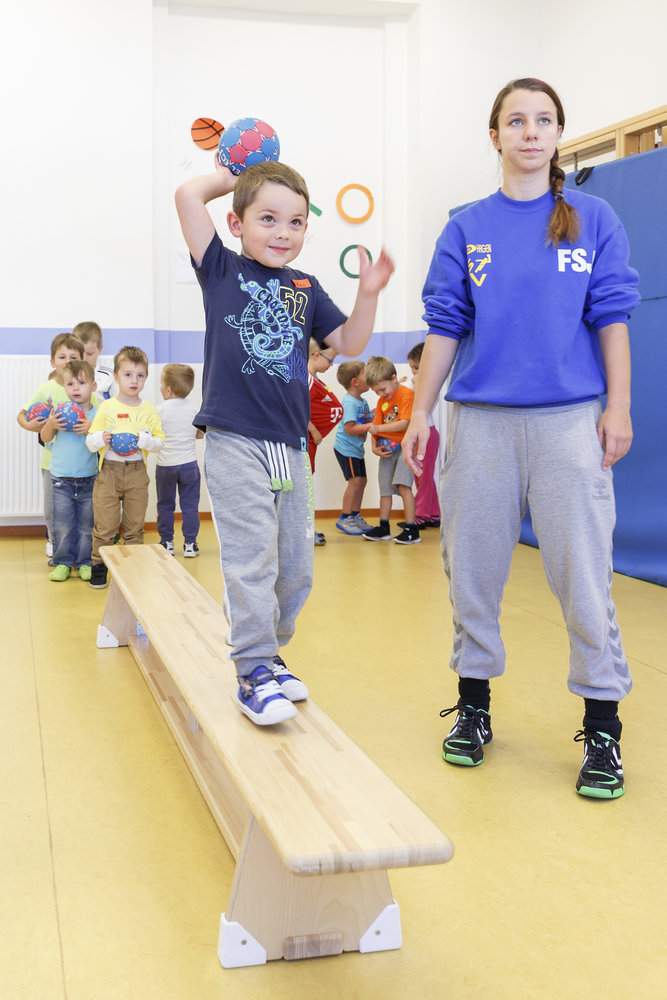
<point x="479" y="255"/>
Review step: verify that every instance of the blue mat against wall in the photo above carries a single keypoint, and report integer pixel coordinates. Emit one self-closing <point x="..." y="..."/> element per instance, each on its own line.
<point x="636" y="187"/>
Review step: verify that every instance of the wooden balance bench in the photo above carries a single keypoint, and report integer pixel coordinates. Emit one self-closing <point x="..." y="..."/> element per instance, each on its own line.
<point x="312" y="822"/>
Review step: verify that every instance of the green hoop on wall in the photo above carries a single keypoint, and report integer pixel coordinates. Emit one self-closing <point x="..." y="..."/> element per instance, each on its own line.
<point x="353" y="246"/>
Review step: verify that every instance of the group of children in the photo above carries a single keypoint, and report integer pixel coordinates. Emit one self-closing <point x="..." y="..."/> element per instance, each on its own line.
<point x="96" y="433"/>
<point x="387" y="424"/>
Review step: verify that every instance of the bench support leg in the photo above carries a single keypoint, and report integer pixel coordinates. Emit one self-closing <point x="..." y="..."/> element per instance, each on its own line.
<point x="273" y="913"/>
<point x="118" y="621"/>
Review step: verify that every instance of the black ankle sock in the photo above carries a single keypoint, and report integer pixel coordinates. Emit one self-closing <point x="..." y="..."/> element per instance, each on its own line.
<point x="602" y="716"/>
<point x="474" y="692"/>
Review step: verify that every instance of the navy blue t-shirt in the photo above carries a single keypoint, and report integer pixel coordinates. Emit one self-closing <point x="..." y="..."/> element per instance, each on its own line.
<point x="259" y="321"/>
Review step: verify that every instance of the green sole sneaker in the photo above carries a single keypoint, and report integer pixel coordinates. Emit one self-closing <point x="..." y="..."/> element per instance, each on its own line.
<point x="600" y="793"/>
<point x="601" y="774"/>
<point x="465" y="761"/>
<point x="465" y="743"/>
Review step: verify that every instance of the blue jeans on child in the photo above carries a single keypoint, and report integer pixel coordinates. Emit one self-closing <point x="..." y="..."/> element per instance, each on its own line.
<point x="72" y="520"/>
<point x="188" y="479"/>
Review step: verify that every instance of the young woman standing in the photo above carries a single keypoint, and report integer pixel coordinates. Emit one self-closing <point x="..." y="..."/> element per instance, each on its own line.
<point x="527" y="299"/>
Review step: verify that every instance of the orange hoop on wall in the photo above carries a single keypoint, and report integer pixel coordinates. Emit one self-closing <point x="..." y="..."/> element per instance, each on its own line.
<point x="356" y="220"/>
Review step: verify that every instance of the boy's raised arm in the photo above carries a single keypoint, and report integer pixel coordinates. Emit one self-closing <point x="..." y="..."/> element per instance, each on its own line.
<point x="351" y="338"/>
<point x="191" y="199"/>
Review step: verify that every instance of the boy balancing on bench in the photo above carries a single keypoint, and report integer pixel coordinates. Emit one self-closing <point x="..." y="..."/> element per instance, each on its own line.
<point x="260" y="316"/>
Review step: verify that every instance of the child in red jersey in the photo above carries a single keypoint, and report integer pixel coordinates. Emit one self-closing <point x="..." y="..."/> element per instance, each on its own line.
<point x="325" y="409"/>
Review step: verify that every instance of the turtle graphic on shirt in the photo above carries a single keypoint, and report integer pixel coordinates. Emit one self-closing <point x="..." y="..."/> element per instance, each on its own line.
<point x="267" y="333"/>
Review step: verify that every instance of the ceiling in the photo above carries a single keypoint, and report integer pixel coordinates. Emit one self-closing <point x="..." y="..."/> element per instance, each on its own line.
<point x="311" y="8"/>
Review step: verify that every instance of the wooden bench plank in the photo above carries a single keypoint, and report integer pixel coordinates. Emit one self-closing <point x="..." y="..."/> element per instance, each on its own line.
<point x="292" y="800"/>
<point x="362" y="820"/>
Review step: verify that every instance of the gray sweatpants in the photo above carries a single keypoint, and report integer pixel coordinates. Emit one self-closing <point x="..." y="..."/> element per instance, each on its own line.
<point x="497" y="461"/>
<point x="266" y="543"/>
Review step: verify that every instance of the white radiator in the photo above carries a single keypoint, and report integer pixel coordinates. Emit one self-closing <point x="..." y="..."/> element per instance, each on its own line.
<point x="20" y="452"/>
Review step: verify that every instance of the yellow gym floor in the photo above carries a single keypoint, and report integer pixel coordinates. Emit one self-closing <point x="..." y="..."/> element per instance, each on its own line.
<point x="114" y="874"/>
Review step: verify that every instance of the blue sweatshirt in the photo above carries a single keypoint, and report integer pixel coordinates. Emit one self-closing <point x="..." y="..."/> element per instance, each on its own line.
<point x="527" y="314"/>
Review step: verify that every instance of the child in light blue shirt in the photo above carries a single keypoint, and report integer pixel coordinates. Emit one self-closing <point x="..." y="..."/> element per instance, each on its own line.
<point x="349" y="446"/>
<point x="73" y="471"/>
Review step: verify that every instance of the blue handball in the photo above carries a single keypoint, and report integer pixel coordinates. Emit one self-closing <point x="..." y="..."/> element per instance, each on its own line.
<point x="124" y="443"/>
<point x="247" y="141"/>
<point x="389" y="444"/>
<point x="70" y="413"/>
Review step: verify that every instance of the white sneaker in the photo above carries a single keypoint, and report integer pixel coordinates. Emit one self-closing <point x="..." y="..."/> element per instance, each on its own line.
<point x="190" y="550"/>
<point x="169" y="546"/>
<point x="291" y="686"/>
<point x="49" y="550"/>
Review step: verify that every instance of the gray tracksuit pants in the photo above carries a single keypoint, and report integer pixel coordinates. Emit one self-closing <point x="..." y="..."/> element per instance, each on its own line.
<point x="497" y="461"/>
<point x="266" y="543"/>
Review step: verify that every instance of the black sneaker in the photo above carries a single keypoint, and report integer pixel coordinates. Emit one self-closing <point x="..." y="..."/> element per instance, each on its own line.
<point x="98" y="577"/>
<point x="409" y="536"/>
<point x="472" y="729"/>
<point x="601" y="775"/>
<point x="377" y="534"/>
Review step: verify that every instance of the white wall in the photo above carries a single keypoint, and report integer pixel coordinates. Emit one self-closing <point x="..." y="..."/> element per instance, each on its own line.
<point x="330" y="121"/>
<point x="76" y="128"/>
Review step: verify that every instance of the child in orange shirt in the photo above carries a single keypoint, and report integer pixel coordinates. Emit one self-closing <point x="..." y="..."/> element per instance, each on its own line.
<point x="392" y="416"/>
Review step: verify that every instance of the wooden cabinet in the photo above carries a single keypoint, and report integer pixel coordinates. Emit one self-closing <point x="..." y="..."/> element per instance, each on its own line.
<point x="634" y="135"/>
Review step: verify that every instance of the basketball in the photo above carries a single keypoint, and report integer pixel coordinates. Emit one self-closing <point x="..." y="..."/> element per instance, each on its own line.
<point x="71" y="413"/>
<point x="245" y="142"/>
<point x="124" y="443"/>
<point x="38" y="411"/>
<point x="206" y="132"/>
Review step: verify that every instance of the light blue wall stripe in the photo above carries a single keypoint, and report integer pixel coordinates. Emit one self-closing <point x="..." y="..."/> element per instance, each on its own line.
<point x="180" y="346"/>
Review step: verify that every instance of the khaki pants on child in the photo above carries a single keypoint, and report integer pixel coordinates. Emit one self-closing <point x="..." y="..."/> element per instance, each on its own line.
<point x="117" y="482"/>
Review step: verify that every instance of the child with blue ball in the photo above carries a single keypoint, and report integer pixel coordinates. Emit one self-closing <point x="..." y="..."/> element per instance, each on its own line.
<point x="125" y="429"/>
<point x="72" y="470"/>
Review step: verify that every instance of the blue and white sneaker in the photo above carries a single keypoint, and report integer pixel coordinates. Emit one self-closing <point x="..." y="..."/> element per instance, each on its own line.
<point x="260" y="698"/>
<point x="363" y="524"/>
<point x="349" y="525"/>
<point x="291" y="686"/>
